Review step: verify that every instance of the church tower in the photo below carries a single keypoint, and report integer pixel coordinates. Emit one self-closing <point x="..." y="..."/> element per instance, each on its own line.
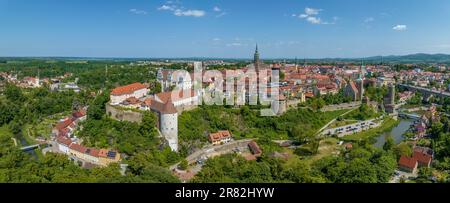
<point x="256" y="59"/>
<point x="361" y="82"/>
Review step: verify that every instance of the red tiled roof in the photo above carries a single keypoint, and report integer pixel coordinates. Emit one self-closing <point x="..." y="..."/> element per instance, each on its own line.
<point x="407" y="162"/>
<point x="93" y="152"/>
<point x="353" y="85"/>
<point x="147" y="102"/>
<point x="78" y="148"/>
<point x="128" y="89"/>
<point x="132" y="100"/>
<point x="79" y="114"/>
<point x="103" y="153"/>
<point x="64" y="124"/>
<point x="64" y="140"/>
<point x="63" y="132"/>
<point x="176" y="96"/>
<point x="309" y="95"/>
<point x="422" y="158"/>
<point x="219" y="135"/>
<point x="254" y="148"/>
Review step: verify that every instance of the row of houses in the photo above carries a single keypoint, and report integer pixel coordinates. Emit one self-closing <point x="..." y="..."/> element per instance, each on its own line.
<point x="221" y="137"/>
<point x="99" y="157"/>
<point x="67" y="143"/>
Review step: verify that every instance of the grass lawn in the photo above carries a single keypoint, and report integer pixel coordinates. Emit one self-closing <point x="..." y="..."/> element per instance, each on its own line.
<point x="327" y="147"/>
<point x="387" y="125"/>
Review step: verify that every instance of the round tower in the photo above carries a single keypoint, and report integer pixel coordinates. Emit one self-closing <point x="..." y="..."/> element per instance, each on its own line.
<point x="169" y="124"/>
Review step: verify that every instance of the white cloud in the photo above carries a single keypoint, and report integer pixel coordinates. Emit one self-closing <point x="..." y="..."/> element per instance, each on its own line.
<point x="174" y="6"/>
<point x="217" y="39"/>
<point x="138" y="12"/>
<point x="400" y="28"/>
<point x="235" y="44"/>
<point x="166" y="8"/>
<point x="311" y="15"/>
<point x="312" y="11"/>
<point x="303" y="16"/>
<point x="193" y="13"/>
<point x="217" y="9"/>
<point x="314" y="20"/>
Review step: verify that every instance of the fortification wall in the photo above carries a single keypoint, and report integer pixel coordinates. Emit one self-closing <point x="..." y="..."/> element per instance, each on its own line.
<point x="123" y="115"/>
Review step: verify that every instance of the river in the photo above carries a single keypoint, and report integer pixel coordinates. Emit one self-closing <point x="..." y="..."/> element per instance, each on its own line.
<point x="397" y="133"/>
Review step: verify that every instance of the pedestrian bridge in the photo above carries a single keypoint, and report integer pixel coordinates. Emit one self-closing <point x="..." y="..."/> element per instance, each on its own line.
<point x="29" y="148"/>
<point x="32" y="147"/>
<point x="408" y="115"/>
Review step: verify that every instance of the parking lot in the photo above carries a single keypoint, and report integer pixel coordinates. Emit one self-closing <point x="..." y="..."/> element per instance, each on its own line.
<point x="352" y="128"/>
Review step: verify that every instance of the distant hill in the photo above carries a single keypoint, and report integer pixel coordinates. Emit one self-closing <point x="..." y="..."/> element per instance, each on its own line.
<point x="413" y="58"/>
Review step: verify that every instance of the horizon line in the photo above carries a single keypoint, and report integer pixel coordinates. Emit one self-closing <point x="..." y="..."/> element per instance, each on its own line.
<point x="230" y="58"/>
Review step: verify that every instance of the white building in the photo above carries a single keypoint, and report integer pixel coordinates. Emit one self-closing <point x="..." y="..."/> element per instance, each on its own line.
<point x="171" y="78"/>
<point x="63" y="143"/>
<point x="120" y="94"/>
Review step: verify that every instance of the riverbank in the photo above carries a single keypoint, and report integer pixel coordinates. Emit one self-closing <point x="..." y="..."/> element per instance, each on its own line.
<point x="387" y="125"/>
<point x="397" y="133"/>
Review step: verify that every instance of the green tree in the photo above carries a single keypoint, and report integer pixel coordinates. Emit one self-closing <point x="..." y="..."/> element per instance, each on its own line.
<point x="403" y="149"/>
<point x="389" y="144"/>
<point x="183" y="164"/>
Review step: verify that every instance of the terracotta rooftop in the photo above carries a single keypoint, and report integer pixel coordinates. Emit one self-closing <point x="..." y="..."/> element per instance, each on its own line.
<point x="219" y="135"/>
<point x="254" y="148"/>
<point x="132" y="100"/>
<point x="78" y="148"/>
<point x="128" y="89"/>
<point x="64" y="140"/>
<point x="64" y="124"/>
<point x="93" y="152"/>
<point x="175" y="96"/>
<point x="79" y="114"/>
<point x="422" y="158"/>
<point x="353" y="86"/>
<point x="407" y="162"/>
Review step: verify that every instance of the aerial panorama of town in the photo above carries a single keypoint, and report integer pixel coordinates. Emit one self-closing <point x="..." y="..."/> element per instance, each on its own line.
<point x="270" y="108"/>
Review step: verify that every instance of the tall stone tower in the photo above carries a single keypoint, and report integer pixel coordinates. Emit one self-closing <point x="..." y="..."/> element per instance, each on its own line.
<point x="389" y="101"/>
<point x="360" y="83"/>
<point x="169" y="124"/>
<point x="392" y="94"/>
<point x="256" y="59"/>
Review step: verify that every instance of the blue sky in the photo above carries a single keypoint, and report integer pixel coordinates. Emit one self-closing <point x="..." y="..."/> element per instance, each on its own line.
<point x="223" y="28"/>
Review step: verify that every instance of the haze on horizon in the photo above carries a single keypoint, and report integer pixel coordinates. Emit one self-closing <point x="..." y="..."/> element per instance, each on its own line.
<point x="223" y="28"/>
